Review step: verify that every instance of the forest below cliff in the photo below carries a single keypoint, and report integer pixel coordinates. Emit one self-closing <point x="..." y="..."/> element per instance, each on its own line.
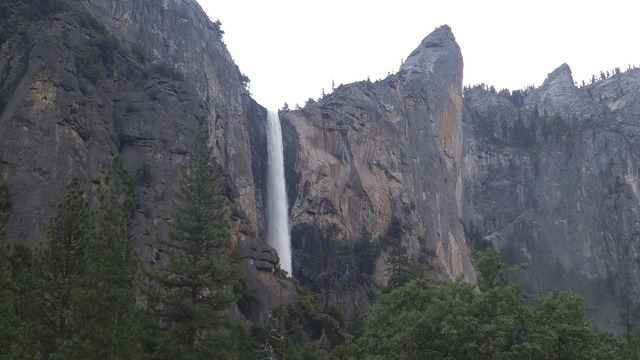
<point x="132" y="202"/>
<point x="75" y="297"/>
<point x="85" y="294"/>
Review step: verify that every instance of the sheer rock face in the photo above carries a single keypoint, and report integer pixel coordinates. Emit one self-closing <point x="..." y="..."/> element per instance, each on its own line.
<point x="370" y="151"/>
<point x="558" y="95"/>
<point x="549" y="175"/>
<point x="566" y="198"/>
<point x="133" y="78"/>
<point x="66" y="118"/>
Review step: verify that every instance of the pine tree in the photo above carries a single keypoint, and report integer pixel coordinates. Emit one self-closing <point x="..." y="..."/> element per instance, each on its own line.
<point x="5" y="207"/>
<point x="60" y="266"/>
<point x="401" y="268"/>
<point x="197" y="277"/>
<point x="106" y="314"/>
<point x="17" y="280"/>
<point x="7" y="286"/>
<point x="17" y="314"/>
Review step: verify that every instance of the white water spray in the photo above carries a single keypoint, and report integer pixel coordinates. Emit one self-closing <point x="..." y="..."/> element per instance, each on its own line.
<point x="277" y="205"/>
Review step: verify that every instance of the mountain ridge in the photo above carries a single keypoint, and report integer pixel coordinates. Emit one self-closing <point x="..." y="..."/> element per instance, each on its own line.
<point x="546" y="173"/>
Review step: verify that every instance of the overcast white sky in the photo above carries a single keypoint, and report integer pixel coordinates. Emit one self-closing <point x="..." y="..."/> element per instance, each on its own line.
<point x="292" y="49"/>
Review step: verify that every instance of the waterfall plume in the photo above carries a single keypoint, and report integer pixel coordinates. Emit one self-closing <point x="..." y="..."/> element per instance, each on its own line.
<point x="277" y="205"/>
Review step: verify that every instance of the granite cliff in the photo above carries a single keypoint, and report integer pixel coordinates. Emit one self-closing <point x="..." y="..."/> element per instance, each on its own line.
<point x="83" y="81"/>
<point x="410" y="166"/>
<point x="86" y="80"/>
<point x="369" y="152"/>
<point x="551" y="178"/>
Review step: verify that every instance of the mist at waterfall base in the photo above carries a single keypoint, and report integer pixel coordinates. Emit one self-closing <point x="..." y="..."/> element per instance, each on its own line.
<point x="277" y="206"/>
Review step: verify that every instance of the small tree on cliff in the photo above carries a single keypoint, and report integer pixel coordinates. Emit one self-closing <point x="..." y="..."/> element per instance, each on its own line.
<point x="401" y="268"/>
<point x="197" y="277"/>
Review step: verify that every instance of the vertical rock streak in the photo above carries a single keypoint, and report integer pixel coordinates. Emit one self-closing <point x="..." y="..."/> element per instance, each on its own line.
<point x="278" y="215"/>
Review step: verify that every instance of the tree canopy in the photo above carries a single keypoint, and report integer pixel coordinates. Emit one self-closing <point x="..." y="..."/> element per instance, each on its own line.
<point x="198" y="275"/>
<point x="495" y="319"/>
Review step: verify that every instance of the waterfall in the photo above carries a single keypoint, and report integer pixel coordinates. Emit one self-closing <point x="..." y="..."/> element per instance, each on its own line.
<point x="277" y="205"/>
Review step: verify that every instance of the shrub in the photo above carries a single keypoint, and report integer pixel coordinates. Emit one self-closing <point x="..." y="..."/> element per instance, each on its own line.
<point x="139" y="53"/>
<point x="144" y="176"/>
<point x="166" y="71"/>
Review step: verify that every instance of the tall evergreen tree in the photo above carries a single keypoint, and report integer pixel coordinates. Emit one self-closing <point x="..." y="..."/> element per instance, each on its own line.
<point x="17" y="280"/>
<point x="17" y="312"/>
<point x="5" y="207"/>
<point x="197" y="277"/>
<point x="402" y="268"/>
<point x="7" y="286"/>
<point x="60" y="266"/>
<point x="106" y="314"/>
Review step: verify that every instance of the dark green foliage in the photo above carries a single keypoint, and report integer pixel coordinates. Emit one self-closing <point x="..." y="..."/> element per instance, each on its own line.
<point x="395" y="232"/>
<point x="31" y="9"/>
<point x="88" y="63"/>
<point x="330" y="256"/>
<point x="433" y="319"/>
<point x="243" y="78"/>
<point x="629" y="311"/>
<point x="474" y="237"/>
<point x="75" y="299"/>
<point x="60" y="267"/>
<point x="107" y="321"/>
<point x="527" y="130"/>
<point x="144" y="176"/>
<point x="486" y="124"/>
<point x="7" y="91"/>
<point x="238" y="344"/>
<point x="198" y="276"/>
<point x="311" y="328"/>
<point x="521" y="134"/>
<point x="5" y="207"/>
<point x="166" y="71"/>
<point x="596" y="292"/>
<point x="365" y="252"/>
<point x="559" y="325"/>
<point x="86" y="20"/>
<point x="94" y="57"/>
<point x="8" y="287"/>
<point x="559" y="126"/>
<point x="16" y="301"/>
<point x="139" y="53"/>
<point x="248" y="300"/>
<point x="18" y="14"/>
<point x="106" y="46"/>
<point x="94" y="60"/>
<point x="218" y="28"/>
<point x="402" y="269"/>
<point x="417" y="321"/>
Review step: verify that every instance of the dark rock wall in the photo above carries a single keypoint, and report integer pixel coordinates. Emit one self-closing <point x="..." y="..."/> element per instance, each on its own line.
<point x="561" y="195"/>
<point x="549" y="175"/>
<point x="371" y="151"/>
<point x="102" y="78"/>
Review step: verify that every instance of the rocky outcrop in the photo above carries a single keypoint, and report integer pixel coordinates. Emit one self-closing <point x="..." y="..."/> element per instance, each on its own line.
<point x="549" y="175"/>
<point x="558" y="95"/>
<point x="93" y="79"/>
<point x="370" y="151"/>
<point x="551" y="178"/>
